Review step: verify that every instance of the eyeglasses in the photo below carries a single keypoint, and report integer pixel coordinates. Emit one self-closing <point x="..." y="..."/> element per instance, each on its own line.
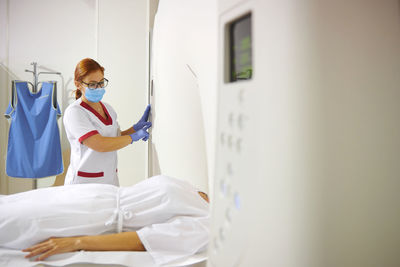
<point x="101" y="84"/>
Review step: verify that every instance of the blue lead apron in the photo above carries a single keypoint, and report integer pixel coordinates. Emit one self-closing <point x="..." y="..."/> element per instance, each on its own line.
<point x="34" y="148"/>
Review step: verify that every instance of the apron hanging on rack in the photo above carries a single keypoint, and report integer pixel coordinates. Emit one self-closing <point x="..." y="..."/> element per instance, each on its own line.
<point x="34" y="147"/>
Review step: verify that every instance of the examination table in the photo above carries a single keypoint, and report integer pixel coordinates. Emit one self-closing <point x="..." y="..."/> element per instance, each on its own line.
<point x="15" y="258"/>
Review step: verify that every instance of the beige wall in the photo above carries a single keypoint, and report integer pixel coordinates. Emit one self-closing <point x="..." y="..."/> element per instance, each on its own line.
<point x="3" y="93"/>
<point x="360" y="59"/>
<point x="122" y="51"/>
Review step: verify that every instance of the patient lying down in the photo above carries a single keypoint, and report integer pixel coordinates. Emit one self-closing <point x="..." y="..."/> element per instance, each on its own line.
<point x="165" y="216"/>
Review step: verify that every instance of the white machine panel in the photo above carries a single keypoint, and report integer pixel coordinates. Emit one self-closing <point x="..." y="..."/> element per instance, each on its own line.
<point x="183" y="90"/>
<point x="296" y="159"/>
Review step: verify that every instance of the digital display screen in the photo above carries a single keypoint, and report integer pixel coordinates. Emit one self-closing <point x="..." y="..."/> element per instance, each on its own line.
<point x="240" y="46"/>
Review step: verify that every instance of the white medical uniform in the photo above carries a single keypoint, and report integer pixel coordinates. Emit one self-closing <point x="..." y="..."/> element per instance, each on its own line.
<point x="87" y="165"/>
<point x="170" y="217"/>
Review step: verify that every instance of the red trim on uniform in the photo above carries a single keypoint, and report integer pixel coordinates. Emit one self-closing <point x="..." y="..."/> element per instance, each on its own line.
<point x="91" y="174"/>
<point x="107" y="121"/>
<point x="89" y="134"/>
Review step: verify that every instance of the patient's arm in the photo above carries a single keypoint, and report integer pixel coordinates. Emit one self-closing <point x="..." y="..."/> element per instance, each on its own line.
<point x="128" y="241"/>
<point x="122" y="241"/>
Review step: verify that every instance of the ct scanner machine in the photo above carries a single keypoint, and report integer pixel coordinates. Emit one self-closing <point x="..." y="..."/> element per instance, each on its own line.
<point x="294" y="113"/>
<point x="308" y="138"/>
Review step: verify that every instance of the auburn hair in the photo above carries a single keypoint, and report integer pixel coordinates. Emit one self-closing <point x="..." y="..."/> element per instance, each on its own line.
<point x="83" y="68"/>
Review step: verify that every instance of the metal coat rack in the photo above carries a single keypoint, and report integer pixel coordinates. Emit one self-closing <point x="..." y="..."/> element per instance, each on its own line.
<point x="35" y="89"/>
<point x="36" y="76"/>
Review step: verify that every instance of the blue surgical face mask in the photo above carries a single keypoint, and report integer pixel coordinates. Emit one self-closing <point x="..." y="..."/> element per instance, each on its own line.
<point x="94" y="95"/>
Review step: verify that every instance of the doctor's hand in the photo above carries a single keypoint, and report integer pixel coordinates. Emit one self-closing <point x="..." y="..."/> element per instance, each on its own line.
<point x="140" y="134"/>
<point x="143" y="122"/>
<point x="53" y="245"/>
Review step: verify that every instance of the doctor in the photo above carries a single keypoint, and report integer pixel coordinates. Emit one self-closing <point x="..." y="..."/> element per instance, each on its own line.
<point x="93" y="131"/>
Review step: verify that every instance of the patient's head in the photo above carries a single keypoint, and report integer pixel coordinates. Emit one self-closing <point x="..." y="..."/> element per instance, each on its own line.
<point x="204" y="196"/>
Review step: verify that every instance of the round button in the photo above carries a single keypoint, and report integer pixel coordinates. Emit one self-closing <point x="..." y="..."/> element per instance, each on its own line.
<point x="237" y="201"/>
<point x="223" y="187"/>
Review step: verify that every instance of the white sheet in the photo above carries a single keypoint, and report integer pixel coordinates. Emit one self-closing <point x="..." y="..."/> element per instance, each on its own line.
<point x="13" y="258"/>
<point x="170" y="217"/>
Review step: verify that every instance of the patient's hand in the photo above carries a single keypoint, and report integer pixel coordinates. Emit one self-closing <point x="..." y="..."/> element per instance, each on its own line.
<point x="53" y="245"/>
<point x="126" y="241"/>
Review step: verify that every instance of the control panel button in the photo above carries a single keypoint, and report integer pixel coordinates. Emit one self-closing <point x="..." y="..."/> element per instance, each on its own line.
<point x="237" y="201"/>
<point x="223" y="187"/>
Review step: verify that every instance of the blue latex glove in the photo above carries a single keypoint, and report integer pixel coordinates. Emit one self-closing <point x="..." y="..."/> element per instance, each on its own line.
<point x="143" y="122"/>
<point x="140" y="134"/>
